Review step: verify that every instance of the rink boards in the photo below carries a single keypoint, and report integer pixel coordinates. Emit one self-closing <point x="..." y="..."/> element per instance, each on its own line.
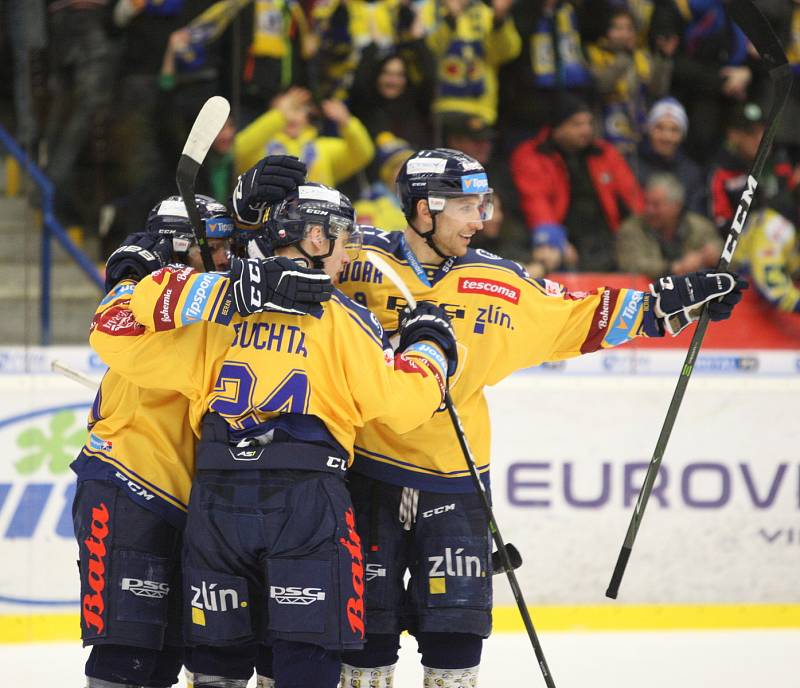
<point x="720" y="542"/>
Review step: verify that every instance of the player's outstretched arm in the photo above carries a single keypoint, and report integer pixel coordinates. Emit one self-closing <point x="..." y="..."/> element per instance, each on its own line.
<point x="402" y="389"/>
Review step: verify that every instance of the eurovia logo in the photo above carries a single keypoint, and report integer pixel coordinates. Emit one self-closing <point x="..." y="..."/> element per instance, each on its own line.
<point x="36" y="492"/>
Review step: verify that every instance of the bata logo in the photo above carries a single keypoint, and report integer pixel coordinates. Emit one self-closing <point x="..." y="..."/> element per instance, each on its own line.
<point x="489" y="287"/>
<point x="295" y="595"/>
<point x="355" y="604"/>
<point x="93" y="604"/>
<point x="214" y="599"/>
<point x="145" y="588"/>
<point x="454" y="564"/>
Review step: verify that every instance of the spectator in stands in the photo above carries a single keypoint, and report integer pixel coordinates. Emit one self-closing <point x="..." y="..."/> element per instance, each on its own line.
<point x="661" y="151"/>
<point x="216" y="177"/>
<point x="379" y="205"/>
<point x="286" y="129"/>
<point x="25" y="26"/>
<point x="471" y="41"/>
<point x="550" y="62"/>
<point x="626" y="78"/>
<point x="710" y="71"/>
<point x="80" y="85"/>
<point x="386" y="99"/>
<point x="769" y="254"/>
<point x="472" y="135"/>
<point x="147" y="167"/>
<point x="275" y="58"/>
<point x="574" y="191"/>
<point x="667" y="237"/>
<point x="729" y="172"/>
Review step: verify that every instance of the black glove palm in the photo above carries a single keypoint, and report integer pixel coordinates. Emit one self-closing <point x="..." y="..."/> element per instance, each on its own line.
<point x="264" y="184"/>
<point x="277" y="284"/>
<point x="429" y="322"/>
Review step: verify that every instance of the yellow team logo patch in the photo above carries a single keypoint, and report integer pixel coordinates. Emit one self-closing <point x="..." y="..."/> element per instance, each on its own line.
<point x="437" y="586"/>
<point x="198" y="616"/>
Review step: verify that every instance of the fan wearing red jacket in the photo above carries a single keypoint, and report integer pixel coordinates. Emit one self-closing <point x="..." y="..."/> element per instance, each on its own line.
<point x="574" y="190"/>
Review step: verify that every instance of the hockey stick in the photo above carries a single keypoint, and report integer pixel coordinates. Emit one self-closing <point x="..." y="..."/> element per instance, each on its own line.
<point x="761" y="35"/>
<point x="505" y="552"/>
<point x="208" y="124"/>
<point x="67" y="371"/>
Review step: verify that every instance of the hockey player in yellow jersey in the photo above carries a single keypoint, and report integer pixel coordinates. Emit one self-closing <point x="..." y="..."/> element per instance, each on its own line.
<point x="136" y="468"/>
<point x="504" y="321"/>
<point x="276" y="398"/>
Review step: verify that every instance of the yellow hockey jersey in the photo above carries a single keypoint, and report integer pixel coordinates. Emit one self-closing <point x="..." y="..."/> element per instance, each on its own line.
<point x="140" y="438"/>
<point x="504" y="321"/>
<point x="314" y="378"/>
<point x="768" y="253"/>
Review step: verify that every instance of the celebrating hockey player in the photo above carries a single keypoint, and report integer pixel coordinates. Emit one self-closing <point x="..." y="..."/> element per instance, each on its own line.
<point x="271" y="551"/>
<point x="504" y="321"/>
<point x="135" y="470"/>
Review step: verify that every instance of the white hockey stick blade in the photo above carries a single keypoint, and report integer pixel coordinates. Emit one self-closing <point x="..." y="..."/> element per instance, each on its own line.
<point x="89" y="382"/>
<point x="393" y="277"/>
<point x="208" y="124"/>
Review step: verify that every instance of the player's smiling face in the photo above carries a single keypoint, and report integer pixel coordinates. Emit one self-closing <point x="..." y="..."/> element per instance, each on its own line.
<point x="457" y="224"/>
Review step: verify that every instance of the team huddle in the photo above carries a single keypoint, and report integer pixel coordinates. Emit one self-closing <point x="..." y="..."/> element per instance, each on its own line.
<point x="269" y="482"/>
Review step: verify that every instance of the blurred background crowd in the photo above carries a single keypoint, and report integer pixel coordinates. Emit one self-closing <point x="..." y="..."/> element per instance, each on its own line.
<point x="616" y="133"/>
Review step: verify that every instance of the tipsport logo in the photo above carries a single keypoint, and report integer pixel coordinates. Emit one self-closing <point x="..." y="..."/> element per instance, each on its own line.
<point x="37" y="488"/>
<point x="475" y="183"/>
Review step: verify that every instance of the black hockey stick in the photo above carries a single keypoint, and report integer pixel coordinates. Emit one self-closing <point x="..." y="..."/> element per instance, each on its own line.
<point x="508" y="555"/>
<point x="761" y="35"/>
<point x="209" y="122"/>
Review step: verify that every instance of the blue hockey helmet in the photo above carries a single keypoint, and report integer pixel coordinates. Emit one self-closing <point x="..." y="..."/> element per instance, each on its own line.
<point x="169" y="218"/>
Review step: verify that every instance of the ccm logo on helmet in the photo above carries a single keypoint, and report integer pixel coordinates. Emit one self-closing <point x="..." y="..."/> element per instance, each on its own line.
<point x="501" y="290"/>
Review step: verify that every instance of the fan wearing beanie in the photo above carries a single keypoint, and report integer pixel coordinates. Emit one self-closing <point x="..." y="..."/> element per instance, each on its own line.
<point x="574" y="189"/>
<point x="661" y="152"/>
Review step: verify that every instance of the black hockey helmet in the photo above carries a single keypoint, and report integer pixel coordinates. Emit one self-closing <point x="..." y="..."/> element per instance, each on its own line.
<point x="169" y="218"/>
<point x="313" y="204"/>
<point x="436" y="176"/>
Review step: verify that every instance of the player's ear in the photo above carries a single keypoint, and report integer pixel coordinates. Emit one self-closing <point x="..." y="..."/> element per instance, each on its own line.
<point x="423" y="211"/>
<point x="316" y="236"/>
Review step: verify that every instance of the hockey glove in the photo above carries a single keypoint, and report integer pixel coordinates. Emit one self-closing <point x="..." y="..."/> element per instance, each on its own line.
<point x="264" y="184"/>
<point x="278" y="284"/>
<point x="429" y="322"/>
<point x="140" y="254"/>
<point x="678" y="299"/>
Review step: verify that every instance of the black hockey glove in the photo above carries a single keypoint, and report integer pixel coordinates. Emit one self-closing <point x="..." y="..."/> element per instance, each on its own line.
<point x="267" y="182"/>
<point x="277" y="284"/>
<point x="140" y="254"/>
<point x="678" y="299"/>
<point x="429" y="322"/>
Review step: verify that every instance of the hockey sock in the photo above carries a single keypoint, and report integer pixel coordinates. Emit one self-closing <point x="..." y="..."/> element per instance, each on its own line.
<point x="303" y="665"/>
<point x="380" y="650"/>
<point x="450" y="678"/>
<point x="207" y="681"/>
<point x="100" y="683"/>
<point x="449" y="650"/>
<point x="372" y="677"/>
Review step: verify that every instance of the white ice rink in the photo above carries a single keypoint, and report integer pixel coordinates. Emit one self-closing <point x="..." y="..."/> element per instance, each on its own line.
<point x="724" y="659"/>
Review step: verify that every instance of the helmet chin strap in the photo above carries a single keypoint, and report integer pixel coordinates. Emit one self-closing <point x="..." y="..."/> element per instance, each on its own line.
<point x="316" y="262"/>
<point x="428" y="236"/>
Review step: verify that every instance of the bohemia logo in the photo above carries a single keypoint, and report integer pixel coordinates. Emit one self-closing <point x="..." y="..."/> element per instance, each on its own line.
<point x="355" y="605"/>
<point x="93" y="604"/>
